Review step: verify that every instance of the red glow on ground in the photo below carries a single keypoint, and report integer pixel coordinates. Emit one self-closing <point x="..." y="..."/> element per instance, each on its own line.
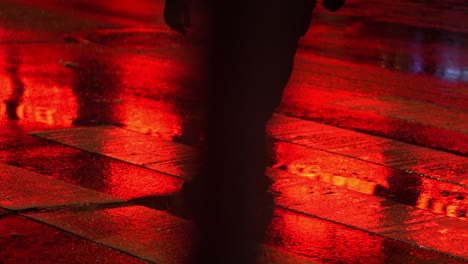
<point x="39" y="99"/>
<point x="160" y="79"/>
<point x="371" y="179"/>
<point x="322" y="240"/>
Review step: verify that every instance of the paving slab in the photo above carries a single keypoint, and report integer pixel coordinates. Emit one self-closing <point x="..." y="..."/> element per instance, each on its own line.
<point x="444" y="234"/>
<point x="122" y="144"/>
<point x="186" y="169"/>
<point x="361" y="211"/>
<point x="162" y="238"/>
<point x="407" y="106"/>
<point x="51" y="21"/>
<point x="21" y="189"/>
<point x="149" y="234"/>
<point x="89" y="170"/>
<point x="271" y="255"/>
<point x="360" y="87"/>
<point x="325" y="201"/>
<point x="328" y="242"/>
<point x="402" y="186"/>
<point x="368" y="81"/>
<point x="387" y="152"/>
<point x="411" y="110"/>
<point x="152" y="235"/>
<point x="23" y="240"/>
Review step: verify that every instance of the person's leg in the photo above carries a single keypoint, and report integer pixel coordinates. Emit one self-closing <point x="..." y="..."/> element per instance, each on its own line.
<point x="333" y="5"/>
<point x="177" y="15"/>
<point x="251" y="61"/>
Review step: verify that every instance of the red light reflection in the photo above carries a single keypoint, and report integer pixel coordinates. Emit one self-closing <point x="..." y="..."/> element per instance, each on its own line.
<point x="400" y="186"/>
<point x="321" y="240"/>
<point x="68" y="85"/>
<point x="36" y="98"/>
<point x="328" y="242"/>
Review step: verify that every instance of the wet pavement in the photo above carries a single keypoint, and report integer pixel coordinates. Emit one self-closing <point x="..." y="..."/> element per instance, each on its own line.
<point x="27" y="241"/>
<point x="101" y="109"/>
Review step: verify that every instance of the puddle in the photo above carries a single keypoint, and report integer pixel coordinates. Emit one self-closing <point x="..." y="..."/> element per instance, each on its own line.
<point x="404" y="187"/>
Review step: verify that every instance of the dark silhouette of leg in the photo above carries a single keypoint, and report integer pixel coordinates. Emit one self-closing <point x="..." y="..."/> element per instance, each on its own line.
<point x="251" y="59"/>
<point x="177" y="15"/>
<point x="333" y="5"/>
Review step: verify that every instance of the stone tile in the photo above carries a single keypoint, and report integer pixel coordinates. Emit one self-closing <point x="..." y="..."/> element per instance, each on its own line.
<point x="121" y="144"/>
<point x="329" y="242"/>
<point x="22" y="189"/>
<point x="26" y="241"/>
<point x="387" y="152"/>
<point x="149" y="234"/>
<point x="186" y="169"/>
<point x="342" y="205"/>
<point x="90" y="170"/>
<point x="367" y="212"/>
<point x="369" y="178"/>
<point x="446" y="234"/>
<point x="271" y="255"/>
<point x="412" y="110"/>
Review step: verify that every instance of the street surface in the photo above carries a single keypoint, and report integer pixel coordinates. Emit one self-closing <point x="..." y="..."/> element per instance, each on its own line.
<point x="100" y="108"/>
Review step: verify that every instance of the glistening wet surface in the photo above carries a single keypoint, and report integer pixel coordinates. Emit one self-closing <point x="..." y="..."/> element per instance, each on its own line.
<point x="24" y="240"/>
<point x="157" y="94"/>
<point x="435" y="164"/>
<point x="85" y="169"/>
<point x="149" y="234"/>
<point x="396" y="46"/>
<point x="380" y="177"/>
<point x="393" y="184"/>
<point x="328" y="242"/>
<point x="372" y="214"/>
<point x="392" y="69"/>
<point x="313" y="187"/>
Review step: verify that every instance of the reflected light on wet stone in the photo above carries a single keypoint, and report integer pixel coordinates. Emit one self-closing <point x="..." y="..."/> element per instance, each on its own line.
<point x="391" y="45"/>
<point x="354" y="184"/>
<point x="320" y="240"/>
<point x="428" y="199"/>
<point x="130" y="183"/>
<point x="401" y="186"/>
<point x="27" y="241"/>
<point x="327" y="242"/>
<point x="92" y="89"/>
<point x="154" y="118"/>
<point x="86" y="169"/>
<point x="161" y="81"/>
<point x="39" y="99"/>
